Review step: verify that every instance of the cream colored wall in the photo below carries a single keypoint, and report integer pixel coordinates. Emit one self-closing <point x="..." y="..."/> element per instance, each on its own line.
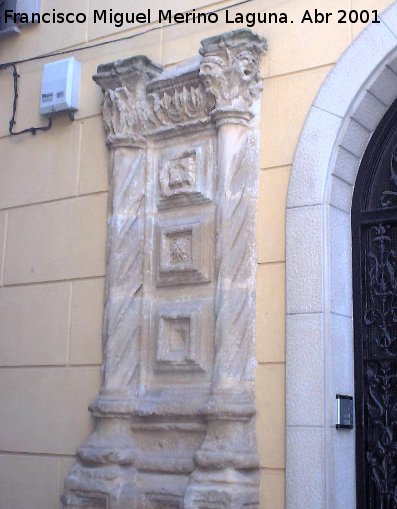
<point x="53" y="196"/>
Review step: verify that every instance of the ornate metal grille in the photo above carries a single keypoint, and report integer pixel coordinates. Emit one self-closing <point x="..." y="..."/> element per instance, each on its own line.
<point x="374" y="227"/>
<point x="379" y="335"/>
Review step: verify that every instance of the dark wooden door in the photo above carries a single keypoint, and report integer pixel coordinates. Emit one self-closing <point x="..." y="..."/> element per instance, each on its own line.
<point x="374" y="229"/>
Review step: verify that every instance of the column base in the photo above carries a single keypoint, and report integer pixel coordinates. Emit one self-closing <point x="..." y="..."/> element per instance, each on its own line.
<point x="104" y="476"/>
<point x="104" y="487"/>
<point x="226" y="489"/>
<point x="227" y="465"/>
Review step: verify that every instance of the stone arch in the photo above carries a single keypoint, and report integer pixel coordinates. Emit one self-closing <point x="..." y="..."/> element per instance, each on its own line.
<point x="353" y="99"/>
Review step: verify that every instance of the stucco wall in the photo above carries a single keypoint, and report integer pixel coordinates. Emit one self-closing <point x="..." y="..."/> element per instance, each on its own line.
<point x="53" y="198"/>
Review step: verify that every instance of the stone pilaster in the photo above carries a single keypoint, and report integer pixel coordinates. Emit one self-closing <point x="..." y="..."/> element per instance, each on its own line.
<point x="227" y="465"/>
<point x="105" y="469"/>
<point x="125" y="116"/>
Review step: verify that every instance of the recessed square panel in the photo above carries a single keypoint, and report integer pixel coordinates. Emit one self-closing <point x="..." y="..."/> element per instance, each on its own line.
<point x="185" y="173"/>
<point x="176" y="332"/>
<point x="178" y="175"/>
<point x="184" y="250"/>
<point x="178" y="247"/>
<point x="180" y="336"/>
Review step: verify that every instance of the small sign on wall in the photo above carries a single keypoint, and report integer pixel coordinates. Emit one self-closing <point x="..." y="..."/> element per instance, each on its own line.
<point x="344" y="412"/>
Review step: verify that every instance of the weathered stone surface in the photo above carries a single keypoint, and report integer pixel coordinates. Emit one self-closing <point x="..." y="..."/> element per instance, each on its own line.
<point x="230" y="73"/>
<point x="175" y="413"/>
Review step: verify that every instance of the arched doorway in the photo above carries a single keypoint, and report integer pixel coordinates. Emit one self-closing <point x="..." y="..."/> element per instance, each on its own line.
<point x="374" y="234"/>
<point x="321" y="460"/>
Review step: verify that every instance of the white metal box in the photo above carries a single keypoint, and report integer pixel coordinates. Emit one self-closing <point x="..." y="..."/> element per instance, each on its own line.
<point x="26" y="6"/>
<point x="60" y="87"/>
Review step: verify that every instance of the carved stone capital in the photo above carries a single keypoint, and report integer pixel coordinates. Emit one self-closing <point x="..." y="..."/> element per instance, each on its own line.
<point x="230" y="73"/>
<point x="126" y="114"/>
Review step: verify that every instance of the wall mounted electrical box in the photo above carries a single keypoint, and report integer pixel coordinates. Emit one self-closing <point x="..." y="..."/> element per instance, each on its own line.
<point x="11" y="25"/>
<point x="60" y="87"/>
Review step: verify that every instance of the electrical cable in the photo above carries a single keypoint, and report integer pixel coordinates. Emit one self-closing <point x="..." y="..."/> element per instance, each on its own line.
<point x="121" y="39"/>
<point x="32" y="130"/>
<point x="13" y="64"/>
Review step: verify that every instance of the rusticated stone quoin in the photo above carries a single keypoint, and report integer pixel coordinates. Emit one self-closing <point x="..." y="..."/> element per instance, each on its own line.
<point x="175" y="412"/>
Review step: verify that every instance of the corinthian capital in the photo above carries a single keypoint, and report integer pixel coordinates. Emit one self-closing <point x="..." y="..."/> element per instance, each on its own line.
<point x="125" y="109"/>
<point x="230" y="73"/>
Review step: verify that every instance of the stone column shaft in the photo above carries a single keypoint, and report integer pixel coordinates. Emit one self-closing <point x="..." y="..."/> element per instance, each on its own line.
<point x="122" y="322"/>
<point x="227" y="465"/>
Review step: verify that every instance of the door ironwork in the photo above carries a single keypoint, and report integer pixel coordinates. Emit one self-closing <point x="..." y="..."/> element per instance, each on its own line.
<point x="374" y="230"/>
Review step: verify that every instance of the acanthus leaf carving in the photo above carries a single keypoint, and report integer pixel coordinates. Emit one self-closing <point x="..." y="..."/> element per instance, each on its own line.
<point x="126" y="115"/>
<point x="129" y="118"/>
<point x="183" y="104"/>
<point x="124" y="118"/>
<point x="230" y="71"/>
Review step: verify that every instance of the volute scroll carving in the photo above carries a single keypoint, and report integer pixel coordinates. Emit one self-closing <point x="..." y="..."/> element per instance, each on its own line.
<point x="175" y="414"/>
<point x="231" y="74"/>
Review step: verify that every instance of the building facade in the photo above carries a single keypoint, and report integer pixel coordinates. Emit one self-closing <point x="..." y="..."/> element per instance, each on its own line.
<point x="327" y="87"/>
